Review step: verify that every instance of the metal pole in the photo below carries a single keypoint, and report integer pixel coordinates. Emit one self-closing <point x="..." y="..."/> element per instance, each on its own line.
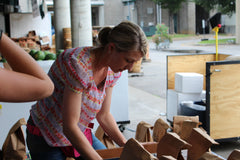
<point x="129" y="12"/>
<point x="160" y="13"/>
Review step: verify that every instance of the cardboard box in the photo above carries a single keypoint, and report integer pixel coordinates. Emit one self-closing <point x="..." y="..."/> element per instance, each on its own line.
<point x="188" y="82"/>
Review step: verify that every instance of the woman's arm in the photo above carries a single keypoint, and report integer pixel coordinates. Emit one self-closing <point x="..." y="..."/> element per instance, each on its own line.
<point x="27" y="81"/>
<point x="71" y="113"/>
<point x="107" y="121"/>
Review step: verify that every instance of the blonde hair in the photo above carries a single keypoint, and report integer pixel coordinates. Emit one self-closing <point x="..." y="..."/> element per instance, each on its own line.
<point x="126" y="36"/>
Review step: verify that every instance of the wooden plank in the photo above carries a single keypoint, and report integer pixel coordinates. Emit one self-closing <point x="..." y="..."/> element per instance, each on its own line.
<point x="110" y="153"/>
<point x="187" y="63"/>
<point x="225" y="101"/>
<point x="116" y="152"/>
<point x="222" y="57"/>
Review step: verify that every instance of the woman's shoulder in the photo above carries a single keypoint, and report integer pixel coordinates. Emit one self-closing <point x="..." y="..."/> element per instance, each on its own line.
<point x="74" y="63"/>
<point x="76" y="56"/>
<point x="78" y="52"/>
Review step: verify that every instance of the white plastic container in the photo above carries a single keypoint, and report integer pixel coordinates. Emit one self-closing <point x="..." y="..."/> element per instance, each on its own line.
<point x="174" y="99"/>
<point x="187" y="82"/>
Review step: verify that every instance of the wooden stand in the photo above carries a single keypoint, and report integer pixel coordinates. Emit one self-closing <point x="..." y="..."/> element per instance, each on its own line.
<point x="116" y="152"/>
<point x="221" y="82"/>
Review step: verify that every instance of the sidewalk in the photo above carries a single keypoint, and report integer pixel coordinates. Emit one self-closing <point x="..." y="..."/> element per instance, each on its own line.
<point x="192" y="43"/>
<point x="147" y="93"/>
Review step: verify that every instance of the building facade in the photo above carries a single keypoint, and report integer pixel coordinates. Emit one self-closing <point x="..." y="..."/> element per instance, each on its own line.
<point x="145" y="13"/>
<point x="189" y="19"/>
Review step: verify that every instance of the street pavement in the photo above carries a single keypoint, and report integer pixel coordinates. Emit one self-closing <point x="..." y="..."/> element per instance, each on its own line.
<point x="147" y="90"/>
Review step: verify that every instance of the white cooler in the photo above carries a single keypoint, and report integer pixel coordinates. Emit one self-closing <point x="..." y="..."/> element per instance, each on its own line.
<point x="174" y="99"/>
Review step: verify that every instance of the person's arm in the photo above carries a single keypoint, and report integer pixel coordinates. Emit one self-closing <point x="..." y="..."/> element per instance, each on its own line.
<point x="71" y="113"/>
<point x="107" y="121"/>
<point x="27" y="81"/>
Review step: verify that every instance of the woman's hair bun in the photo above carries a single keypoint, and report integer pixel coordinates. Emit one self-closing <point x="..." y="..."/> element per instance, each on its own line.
<point x="103" y="35"/>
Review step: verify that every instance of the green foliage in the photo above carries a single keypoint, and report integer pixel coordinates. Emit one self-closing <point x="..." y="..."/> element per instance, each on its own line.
<point x="223" y="6"/>
<point x="220" y="41"/>
<point x="162" y="30"/>
<point x="172" y="5"/>
<point x="156" y="39"/>
<point x="161" y="34"/>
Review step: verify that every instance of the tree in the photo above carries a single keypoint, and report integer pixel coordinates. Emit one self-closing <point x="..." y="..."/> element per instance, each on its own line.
<point x="173" y="6"/>
<point x="223" y="6"/>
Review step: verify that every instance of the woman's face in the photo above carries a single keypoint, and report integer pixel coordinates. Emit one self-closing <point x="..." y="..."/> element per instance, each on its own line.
<point x="120" y="61"/>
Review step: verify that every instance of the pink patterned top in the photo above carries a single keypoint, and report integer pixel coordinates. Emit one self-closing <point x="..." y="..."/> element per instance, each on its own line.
<point x="73" y="69"/>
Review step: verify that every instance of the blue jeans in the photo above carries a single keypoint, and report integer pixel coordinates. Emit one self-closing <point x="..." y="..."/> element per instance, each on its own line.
<point x="40" y="150"/>
<point x="97" y="144"/>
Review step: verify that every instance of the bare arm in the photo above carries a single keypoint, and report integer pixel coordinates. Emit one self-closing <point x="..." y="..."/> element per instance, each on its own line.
<point x="71" y="112"/>
<point x="27" y="81"/>
<point x="107" y="121"/>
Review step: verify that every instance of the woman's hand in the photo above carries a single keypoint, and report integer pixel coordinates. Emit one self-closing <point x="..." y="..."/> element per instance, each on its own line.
<point x="107" y="121"/>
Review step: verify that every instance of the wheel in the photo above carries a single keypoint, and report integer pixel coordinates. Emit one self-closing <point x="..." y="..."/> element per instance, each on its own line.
<point x="121" y="127"/>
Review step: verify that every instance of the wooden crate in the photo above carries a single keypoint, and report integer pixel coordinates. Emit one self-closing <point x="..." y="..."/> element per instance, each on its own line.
<point x="222" y="85"/>
<point x="188" y="63"/>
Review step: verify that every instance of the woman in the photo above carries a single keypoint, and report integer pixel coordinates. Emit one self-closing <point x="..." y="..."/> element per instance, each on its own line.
<point x="84" y="78"/>
<point x="26" y="81"/>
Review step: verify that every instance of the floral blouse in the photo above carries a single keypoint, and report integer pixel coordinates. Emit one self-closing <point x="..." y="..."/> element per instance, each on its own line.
<point x="73" y="69"/>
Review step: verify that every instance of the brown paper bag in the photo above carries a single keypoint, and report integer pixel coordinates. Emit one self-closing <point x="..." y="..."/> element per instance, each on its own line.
<point x="101" y="135"/>
<point x="159" y="129"/>
<point x="133" y="150"/>
<point x="187" y="127"/>
<point x="143" y="132"/>
<point x="178" y="120"/>
<point x="171" y="144"/>
<point x="201" y="143"/>
<point x="209" y="156"/>
<point x="14" y="147"/>
<point x="235" y="155"/>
